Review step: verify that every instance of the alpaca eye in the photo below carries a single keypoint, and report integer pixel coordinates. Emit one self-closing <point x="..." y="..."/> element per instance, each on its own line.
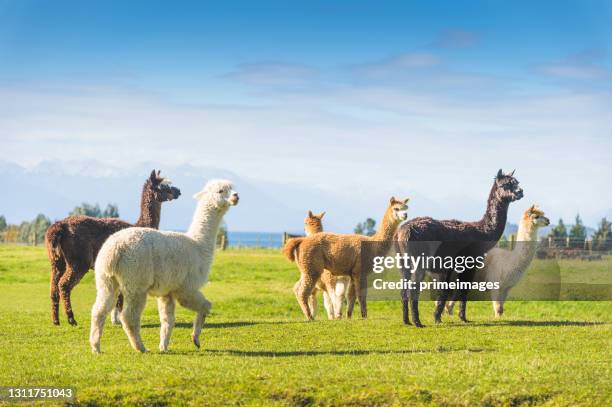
<point x="220" y="191"/>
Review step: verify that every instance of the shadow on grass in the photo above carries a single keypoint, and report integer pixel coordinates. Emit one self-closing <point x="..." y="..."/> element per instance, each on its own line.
<point x="234" y="324"/>
<point x="276" y="354"/>
<point x="527" y="323"/>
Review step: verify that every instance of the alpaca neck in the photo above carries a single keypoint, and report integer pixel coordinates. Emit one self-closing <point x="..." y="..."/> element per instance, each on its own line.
<point x="494" y="219"/>
<point x="205" y="224"/>
<point x="524" y="249"/>
<point x="311" y="230"/>
<point x="386" y="231"/>
<point x="150" y="209"/>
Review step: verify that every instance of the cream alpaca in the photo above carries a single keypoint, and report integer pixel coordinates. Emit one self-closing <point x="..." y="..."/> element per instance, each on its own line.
<point x="334" y="288"/>
<point x="508" y="266"/>
<point x="168" y="265"/>
<point x="341" y="255"/>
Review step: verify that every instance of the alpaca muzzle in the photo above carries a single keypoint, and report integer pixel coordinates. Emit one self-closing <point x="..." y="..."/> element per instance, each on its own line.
<point x="234" y="198"/>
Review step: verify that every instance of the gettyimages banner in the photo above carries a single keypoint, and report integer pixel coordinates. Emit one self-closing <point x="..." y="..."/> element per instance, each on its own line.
<point x="528" y="271"/>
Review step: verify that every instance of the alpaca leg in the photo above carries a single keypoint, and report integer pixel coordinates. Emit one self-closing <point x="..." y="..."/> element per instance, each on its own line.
<point x="449" y="307"/>
<point x="441" y="302"/>
<point x="405" y="295"/>
<point x="70" y="278"/>
<point x="58" y="267"/>
<point x="498" y="303"/>
<point x="165" y="306"/>
<point x="417" y="276"/>
<point x="328" y="303"/>
<point x="462" y="309"/>
<point x="195" y="301"/>
<point x="340" y="292"/>
<point x="105" y="297"/>
<point x="362" y="284"/>
<point x="115" y="315"/>
<point x="133" y="306"/>
<point x="312" y="301"/>
<point x="307" y="284"/>
<point x="351" y="298"/>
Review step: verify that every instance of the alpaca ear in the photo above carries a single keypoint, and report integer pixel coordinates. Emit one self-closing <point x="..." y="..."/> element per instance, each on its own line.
<point x="198" y="195"/>
<point x="500" y="174"/>
<point x="512" y="173"/>
<point x="153" y="177"/>
<point x="392" y="200"/>
<point x="310" y="215"/>
<point x="405" y="201"/>
<point x="320" y="216"/>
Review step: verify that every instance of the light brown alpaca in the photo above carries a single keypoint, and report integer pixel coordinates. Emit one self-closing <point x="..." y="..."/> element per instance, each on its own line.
<point x="341" y="255"/>
<point x="333" y="287"/>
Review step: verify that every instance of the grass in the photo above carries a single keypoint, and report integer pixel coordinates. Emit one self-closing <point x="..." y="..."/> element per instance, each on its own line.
<point x="258" y="350"/>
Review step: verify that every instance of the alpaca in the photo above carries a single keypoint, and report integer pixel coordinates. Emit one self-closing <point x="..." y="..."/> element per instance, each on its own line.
<point x="74" y="242"/>
<point x="508" y="266"/>
<point x="477" y="238"/>
<point x="341" y="255"/>
<point x="168" y="265"/>
<point x="334" y="288"/>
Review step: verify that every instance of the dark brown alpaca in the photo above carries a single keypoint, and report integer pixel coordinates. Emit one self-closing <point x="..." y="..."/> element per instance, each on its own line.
<point x="457" y="238"/>
<point x="74" y="242"/>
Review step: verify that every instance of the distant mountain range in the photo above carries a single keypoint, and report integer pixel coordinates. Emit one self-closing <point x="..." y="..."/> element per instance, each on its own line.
<point x="54" y="188"/>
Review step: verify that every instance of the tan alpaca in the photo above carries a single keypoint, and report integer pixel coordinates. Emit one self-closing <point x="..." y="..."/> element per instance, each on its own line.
<point x="334" y="288"/>
<point x="341" y="255"/>
<point x="508" y="266"/>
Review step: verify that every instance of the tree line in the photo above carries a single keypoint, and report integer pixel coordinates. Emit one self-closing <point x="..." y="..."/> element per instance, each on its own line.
<point x="33" y="232"/>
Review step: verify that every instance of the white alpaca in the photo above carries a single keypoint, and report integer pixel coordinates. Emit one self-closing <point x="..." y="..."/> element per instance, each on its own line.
<point x="508" y="266"/>
<point x="169" y="265"/>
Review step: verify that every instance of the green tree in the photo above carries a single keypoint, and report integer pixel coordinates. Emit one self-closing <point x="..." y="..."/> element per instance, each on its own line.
<point x="503" y="242"/>
<point x="577" y="233"/>
<point x="3" y="224"/>
<point x="222" y="240"/>
<point x="87" y="210"/>
<point x="602" y="239"/>
<point x="34" y="232"/>
<point x="366" y="227"/>
<point x="558" y="234"/>
<point x="111" y="211"/>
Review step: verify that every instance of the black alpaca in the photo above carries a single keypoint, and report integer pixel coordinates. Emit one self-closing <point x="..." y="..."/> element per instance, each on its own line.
<point x="456" y="238"/>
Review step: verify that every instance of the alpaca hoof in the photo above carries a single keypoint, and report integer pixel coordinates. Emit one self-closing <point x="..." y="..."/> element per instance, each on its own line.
<point x="95" y="349"/>
<point x="418" y="324"/>
<point x="438" y="320"/>
<point x="196" y="341"/>
<point x="56" y="322"/>
<point x="465" y="320"/>
<point x="72" y="321"/>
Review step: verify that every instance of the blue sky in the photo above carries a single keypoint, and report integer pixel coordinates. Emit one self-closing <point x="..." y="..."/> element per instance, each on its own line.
<point x="374" y="97"/>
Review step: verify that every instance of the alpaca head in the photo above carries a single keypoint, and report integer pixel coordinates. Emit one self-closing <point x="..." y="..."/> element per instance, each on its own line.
<point x="398" y="209"/>
<point x="219" y="193"/>
<point x="507" y="187"/>
<point x="535" y="218"/>
<point x="160" y="188"/>
<point x="313" y="224"/>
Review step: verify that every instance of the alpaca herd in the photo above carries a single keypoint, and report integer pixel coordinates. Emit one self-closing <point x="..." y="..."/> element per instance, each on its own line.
<point x="132" y="262"/>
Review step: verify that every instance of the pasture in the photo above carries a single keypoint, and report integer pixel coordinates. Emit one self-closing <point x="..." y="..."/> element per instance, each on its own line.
<point x="257" y="349"/>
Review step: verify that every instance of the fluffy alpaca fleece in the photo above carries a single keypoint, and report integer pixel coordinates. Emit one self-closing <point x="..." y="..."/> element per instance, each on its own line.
<point x="341" y="255"/>
<point x="168" y="265"/>
<point x="334" y="288"/>
<point x="74" y="242"/>
<point x="508" y="266"/>
<point x="478" y="237"/>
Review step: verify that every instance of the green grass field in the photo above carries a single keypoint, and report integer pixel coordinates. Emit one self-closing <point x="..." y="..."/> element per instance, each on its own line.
<point x="257" y="349"/>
